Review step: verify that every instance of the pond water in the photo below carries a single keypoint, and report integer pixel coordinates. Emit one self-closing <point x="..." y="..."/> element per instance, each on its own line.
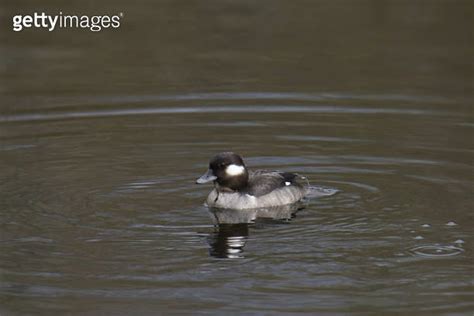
<point x="102" y="136"/>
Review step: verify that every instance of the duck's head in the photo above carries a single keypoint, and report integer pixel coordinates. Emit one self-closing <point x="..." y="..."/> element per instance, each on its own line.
<point x="228" y="170"/>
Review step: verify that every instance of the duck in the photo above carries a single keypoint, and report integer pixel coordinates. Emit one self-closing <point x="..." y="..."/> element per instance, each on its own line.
<point x="236" y="187"/>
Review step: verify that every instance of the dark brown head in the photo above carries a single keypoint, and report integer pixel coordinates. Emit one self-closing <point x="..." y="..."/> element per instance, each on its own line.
<point x="228" y="170"/>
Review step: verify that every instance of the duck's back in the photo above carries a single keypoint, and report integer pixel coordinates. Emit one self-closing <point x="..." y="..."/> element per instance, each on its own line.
<point x="262" y="182"/>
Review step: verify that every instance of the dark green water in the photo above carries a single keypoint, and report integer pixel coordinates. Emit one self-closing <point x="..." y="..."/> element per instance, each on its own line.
<point x="103" y="134"/>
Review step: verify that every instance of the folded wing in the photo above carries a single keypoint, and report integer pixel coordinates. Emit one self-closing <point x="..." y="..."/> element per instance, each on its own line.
<point x="263" y="182"/>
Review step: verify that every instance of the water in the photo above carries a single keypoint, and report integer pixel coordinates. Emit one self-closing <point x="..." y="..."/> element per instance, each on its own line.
<point x="103" y="134"/>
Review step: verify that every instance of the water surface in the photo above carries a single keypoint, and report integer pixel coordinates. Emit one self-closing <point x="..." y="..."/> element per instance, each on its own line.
<point x="102" y="136"/>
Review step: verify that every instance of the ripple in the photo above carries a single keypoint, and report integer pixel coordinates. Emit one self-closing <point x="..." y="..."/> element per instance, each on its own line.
<point x="318" y="191"/>
<point x="148" y="183"/>
<point x="320" y="138"/>
<point x="434" y="251"/>
<point x="364" y="186"/>
<point x="443" y="181"/>
<point x="16" y="147"/>
<point x="373" y="160"/>
<point x="216" y="96"/>
<point x="340" y="169"/>
<point x="216" y="109"/>
<point x="296" y="96"/>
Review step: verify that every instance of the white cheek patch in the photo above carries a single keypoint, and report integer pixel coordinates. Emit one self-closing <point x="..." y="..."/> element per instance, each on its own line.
<point x="234" y="170"/>
<point x="287" y="183"/>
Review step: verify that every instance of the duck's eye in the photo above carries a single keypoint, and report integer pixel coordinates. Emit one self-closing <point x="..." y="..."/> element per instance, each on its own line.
<point x="222" y="165"/>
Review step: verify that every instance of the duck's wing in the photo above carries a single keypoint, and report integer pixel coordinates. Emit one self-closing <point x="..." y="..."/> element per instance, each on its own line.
<point x="262" y="182"/>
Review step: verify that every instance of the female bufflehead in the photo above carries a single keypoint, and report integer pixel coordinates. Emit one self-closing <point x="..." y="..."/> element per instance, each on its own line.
<point x="237" y="188"/>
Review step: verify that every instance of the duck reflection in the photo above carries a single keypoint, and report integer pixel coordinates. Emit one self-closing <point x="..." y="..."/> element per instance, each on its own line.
<point x="232" y="227"/>
<point x="228" y="240"/>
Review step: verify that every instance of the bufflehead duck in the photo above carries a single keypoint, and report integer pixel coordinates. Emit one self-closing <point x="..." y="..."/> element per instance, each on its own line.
<point x="236" y="187"/>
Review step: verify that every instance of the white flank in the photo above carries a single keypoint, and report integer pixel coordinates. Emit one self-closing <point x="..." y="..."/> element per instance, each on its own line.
<point x="234" y="170"/>
<point x="287" y="183"/>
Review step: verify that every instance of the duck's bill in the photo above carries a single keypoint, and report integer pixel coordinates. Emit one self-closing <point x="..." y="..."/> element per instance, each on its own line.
<point x="207" y="177"/>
